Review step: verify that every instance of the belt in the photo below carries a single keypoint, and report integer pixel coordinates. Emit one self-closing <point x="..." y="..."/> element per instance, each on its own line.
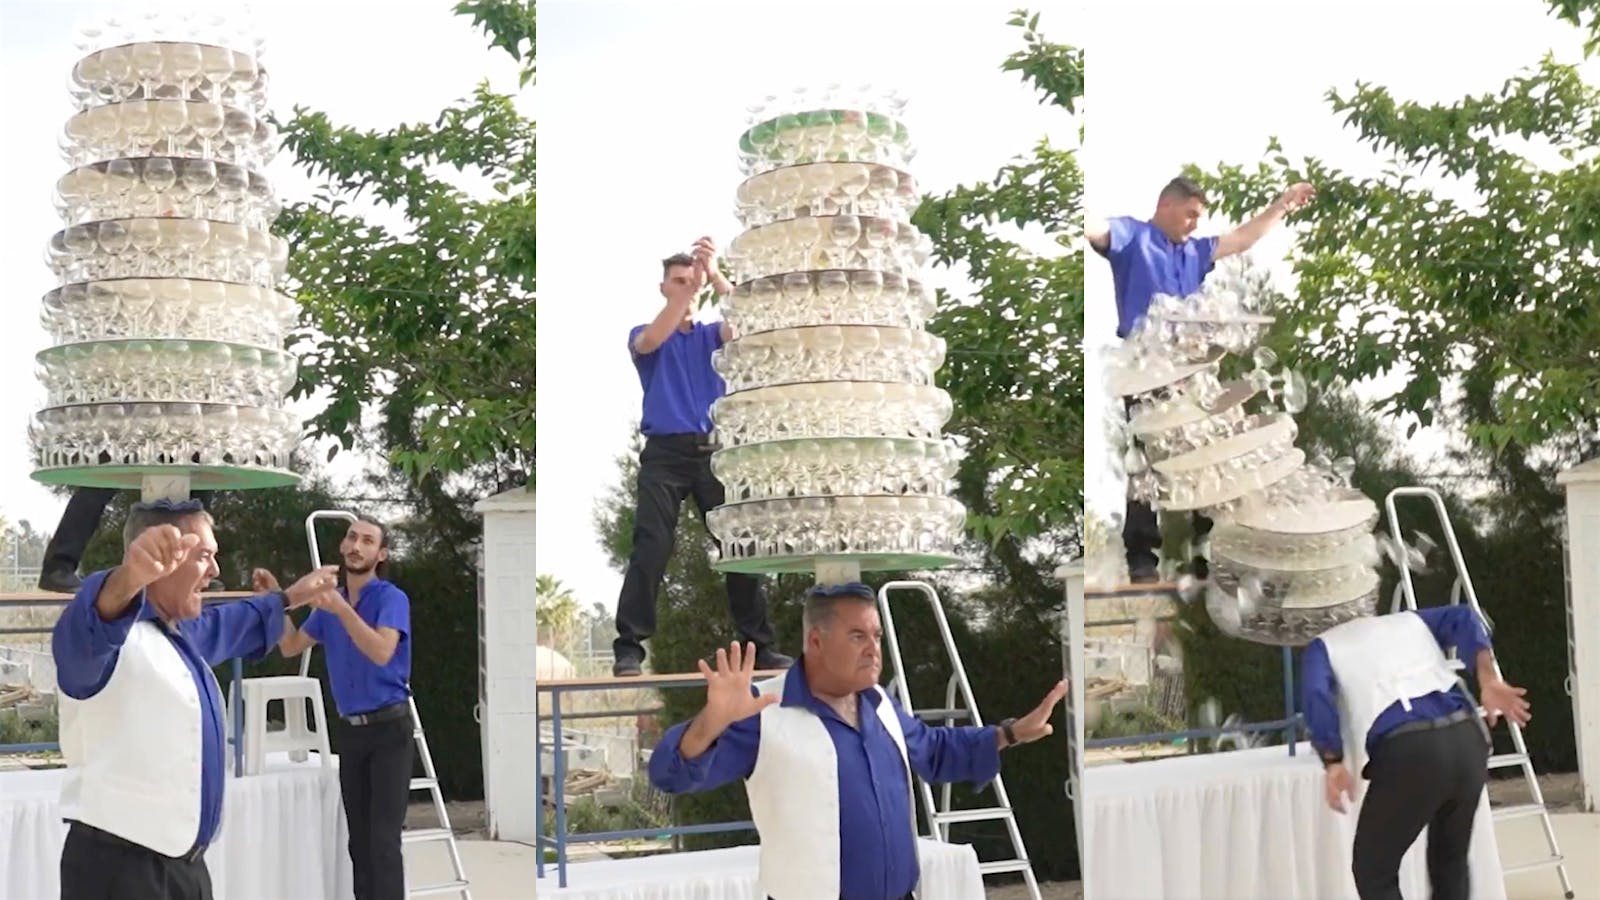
<point x="1455" y="718"/>
<point x="100" y="835"/>
<point x="385" y="714"/>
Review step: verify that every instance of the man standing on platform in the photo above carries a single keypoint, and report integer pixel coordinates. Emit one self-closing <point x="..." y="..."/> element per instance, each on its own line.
<point x="1160" y="256"/>
<point x="1383" y="701"/>
<point x="673" y="357"/>
<point x="826" y="756"/>
<point x="141" y="712"/>
<point x="368" y="645"/>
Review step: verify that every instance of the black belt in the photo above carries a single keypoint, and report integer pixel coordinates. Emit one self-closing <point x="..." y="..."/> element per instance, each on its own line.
<point x="385" y="714"/>
<point x="100" y="835"/>
<point x="1455" y="718"/>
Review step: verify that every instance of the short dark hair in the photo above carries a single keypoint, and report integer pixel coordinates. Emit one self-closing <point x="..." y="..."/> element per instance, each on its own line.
<point x="823" y="599"/>
<point x="1182" y="188"/>
<point x="145" y="516"/>
<point x="674" y="261"/>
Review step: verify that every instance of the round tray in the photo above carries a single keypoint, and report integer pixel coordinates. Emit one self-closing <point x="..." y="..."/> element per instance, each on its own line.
<point x="201" y="478"/>
<point x="1187" y="411"/>
<point x="1354" y="511"/>
<point x="761" y="135"/>
<point x="1244" y="319"/>
<point x="1274" y="471"/>
<point x="867" y="562"/>
<point x="1362" y="547"/>
<point x="1220" y="452"/>
<point x="1122" y="382"/>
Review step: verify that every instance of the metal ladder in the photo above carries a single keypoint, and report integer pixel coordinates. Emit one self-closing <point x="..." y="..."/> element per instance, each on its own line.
<point x="1405" y="594"/>
<point x="430" y="780"/>
<point x="941" y="817"/>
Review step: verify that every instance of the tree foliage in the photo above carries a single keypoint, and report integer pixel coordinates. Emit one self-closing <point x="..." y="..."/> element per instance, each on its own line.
<point x="430" y="325"/>
<point x="1014" y="365"/>
<point x="1467" y="260"/>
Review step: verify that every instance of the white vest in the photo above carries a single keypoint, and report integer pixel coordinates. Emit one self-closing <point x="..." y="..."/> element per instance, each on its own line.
<point x="794" y="798"/>
<point x="1378" y="661"/>
<point x="133" y="749"/>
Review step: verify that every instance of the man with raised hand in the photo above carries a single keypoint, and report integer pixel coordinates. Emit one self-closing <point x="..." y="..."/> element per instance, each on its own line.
<point x="672" y="355"/>
<point x="827" y="755"/>
<point x="142" y="713"/>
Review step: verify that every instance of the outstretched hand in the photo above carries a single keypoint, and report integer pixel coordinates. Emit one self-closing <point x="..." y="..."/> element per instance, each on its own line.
<point x="728" y="696"/>
<point x="1036" y="724"/>
<point x="1296" y="196"/>
<point x="263" y="581"/>
<point x="1337" y="784"/>
<point x="156" y="553"/>
<point x="1502" y="699"/>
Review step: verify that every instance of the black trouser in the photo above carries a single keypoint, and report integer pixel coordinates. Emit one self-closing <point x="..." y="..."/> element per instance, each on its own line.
<point x="98" y="865"/>
<point x="1421" y="779"/>
<point x="375" y="779"/>
<point x="1141" y="532"/>
<point x="78" y="524"/>
<point x="672" y="468"/>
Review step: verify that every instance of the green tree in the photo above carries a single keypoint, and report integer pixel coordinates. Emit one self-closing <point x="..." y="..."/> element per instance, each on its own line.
<point x="556" y="608"/>
<point x="430" y="325"/>
<point x="1399" y="273"/>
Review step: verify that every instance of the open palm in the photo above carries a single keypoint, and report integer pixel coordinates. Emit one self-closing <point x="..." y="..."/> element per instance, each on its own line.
<point x="728" y="696"/>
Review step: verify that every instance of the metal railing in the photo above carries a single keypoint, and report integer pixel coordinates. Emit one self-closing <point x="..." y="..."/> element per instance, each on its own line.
<point x="40" y="599"/>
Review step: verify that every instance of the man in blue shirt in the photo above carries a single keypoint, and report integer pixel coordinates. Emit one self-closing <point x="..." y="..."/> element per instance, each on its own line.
<point x="142" y="713"/>
<point x="1383" y="684"/>
<point x="1160" y="256"/>
<point x="824" y="753"/>
<point x="672" y="355"/>
<point x="368" y="645"/>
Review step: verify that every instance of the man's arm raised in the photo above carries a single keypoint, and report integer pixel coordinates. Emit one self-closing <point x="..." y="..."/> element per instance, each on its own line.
<point x="1245" y="236"/>
<point x="657" y="332"/>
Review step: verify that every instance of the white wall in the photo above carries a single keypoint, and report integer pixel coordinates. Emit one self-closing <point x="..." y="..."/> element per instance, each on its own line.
<point x="1583" y="560"/>
<point x="510" y="713"/>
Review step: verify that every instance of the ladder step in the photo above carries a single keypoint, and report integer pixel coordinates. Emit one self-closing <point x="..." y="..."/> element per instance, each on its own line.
<point x="1506" y="760"/>
<point x="1521" y="811"/>
<point x="449" y="887"/>
<point x="939" y="715"/>
<point x="420" y="835"/>
<point x="424" y="784"/>
<point x="972" y="815"/>
<point x="1529" y="867"/>
<point x="1004" y="865"/>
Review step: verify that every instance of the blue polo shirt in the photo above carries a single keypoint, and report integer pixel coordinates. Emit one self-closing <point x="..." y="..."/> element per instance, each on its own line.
<point x="85" y="649"/>
<point x="1145" y="262"/>
<point x="360" y="685"/>
<point x="679" y="383"/>
<point x="877" y="847"/>
<point x="1457" y="626"/>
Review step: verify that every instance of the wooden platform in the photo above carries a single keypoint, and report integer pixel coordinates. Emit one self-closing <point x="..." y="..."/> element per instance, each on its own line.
<point x="1154" y="589"/>
<point x="44" y="598"/>
<point x="613" y="683"/>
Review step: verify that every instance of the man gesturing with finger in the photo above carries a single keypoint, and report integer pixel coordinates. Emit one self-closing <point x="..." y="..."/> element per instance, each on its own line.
<point x="1384" y="703"/>
<point x="827" y="755"/>
<point x="141" y="712"/>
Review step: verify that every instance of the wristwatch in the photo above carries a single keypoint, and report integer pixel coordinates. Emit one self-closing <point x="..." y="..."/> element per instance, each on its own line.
<point x="1005" y="728"/>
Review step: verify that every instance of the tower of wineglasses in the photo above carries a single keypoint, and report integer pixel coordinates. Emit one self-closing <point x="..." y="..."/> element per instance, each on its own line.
<point x="1292" y="550"/>
<point x="167" y="329"/>
<point x="830" y="438"/>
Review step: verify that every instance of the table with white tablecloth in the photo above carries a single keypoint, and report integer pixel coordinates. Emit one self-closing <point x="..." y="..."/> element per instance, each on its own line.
<point x="283" y="835"/>
<point x="1236" y="826"/>
<point x="949" y="872"/>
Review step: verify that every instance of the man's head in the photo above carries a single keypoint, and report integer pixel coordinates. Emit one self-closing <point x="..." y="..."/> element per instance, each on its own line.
<point x="1179" y="208"/>
<point x="680" y="278"/>
<point x="365" y="546"/>
<point x="177" y="596"/>
<point x="843" y="638"/>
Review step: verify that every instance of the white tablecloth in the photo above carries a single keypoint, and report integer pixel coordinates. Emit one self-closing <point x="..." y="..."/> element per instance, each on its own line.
<point x="949" y="872"/>
<point x="283" y="835"/>
<point x="1236" y="826"/>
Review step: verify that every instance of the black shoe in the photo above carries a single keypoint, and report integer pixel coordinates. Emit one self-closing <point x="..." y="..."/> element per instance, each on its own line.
<point x="1144" y="574"/>
<point x="1199" y="568"/>
<point x="768" y="659"/>
<point x="628" y="665"/>
<point x="59" y="580"/>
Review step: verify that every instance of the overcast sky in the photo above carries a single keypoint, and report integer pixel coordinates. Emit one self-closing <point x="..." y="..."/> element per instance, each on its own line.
<point x="367" y="64"/>
<point x="641" y="105"/>
<point x="1182" y="88"/>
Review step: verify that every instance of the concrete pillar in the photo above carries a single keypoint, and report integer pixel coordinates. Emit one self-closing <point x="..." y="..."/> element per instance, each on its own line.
<point x="1583" y="620"/>
<point x="1072" y="574"/>
<point x="508" y="659"/>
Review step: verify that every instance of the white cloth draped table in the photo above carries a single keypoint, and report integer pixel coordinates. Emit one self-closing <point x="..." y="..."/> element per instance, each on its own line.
<point x="1245" y="825"/>
<point x="949" y="872"/>
<point x="283" y="835"/>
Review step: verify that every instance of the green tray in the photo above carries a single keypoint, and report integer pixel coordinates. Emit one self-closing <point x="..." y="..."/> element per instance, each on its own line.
<point x="758" y="137"/>
<point x="201" y="478"/>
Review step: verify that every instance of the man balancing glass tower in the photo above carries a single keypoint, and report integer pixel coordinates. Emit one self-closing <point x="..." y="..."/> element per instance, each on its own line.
<point x="829" y="442"/>
<point x="182" y="395"/>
